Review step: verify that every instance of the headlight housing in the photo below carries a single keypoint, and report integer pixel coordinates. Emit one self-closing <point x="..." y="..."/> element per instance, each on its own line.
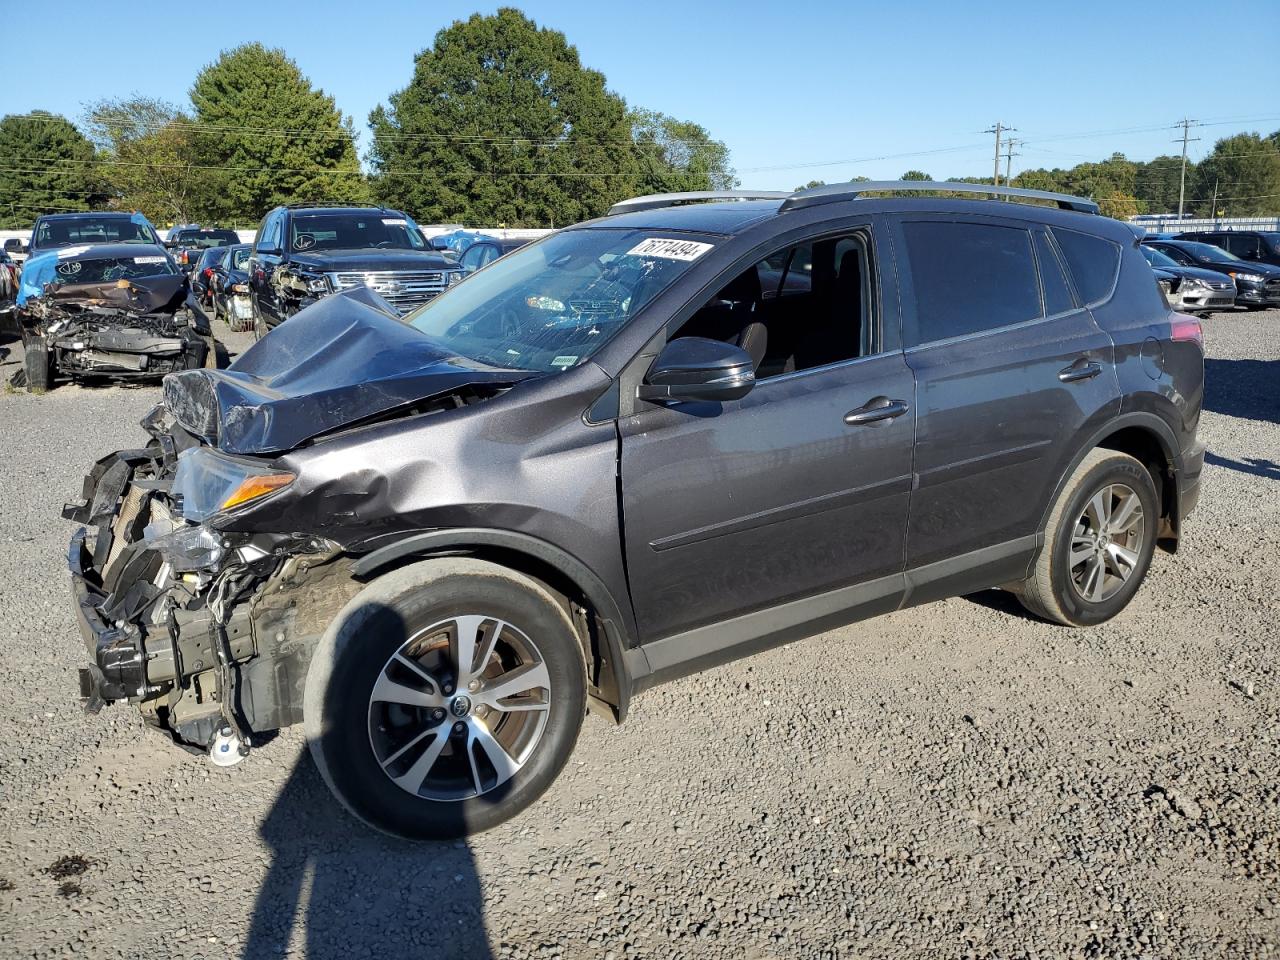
<point x="239" y="288"/>
<point x="315" y="284"/>
<point x="453" y="276"/>
<point x="210" y="483"/>
<point x="1248" y="277"/>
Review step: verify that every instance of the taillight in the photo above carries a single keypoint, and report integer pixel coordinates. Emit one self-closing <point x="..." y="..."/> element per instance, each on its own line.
<point x="208" y="271"/>
<point x="1187" y="328"/>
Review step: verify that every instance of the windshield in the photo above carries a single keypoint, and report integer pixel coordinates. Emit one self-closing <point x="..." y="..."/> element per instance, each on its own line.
<point x="112" y="268"/>
<point x="205" y="239"/>
<point x="351" y="231"/>
<point x="550" y="306"/>
<point x="1156" y="258"/>
<point x="1206" y="252"/>
<point x="64" y="233"/>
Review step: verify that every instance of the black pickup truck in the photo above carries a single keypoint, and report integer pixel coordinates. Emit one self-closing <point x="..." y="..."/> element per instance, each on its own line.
<point x="304" y="253"/>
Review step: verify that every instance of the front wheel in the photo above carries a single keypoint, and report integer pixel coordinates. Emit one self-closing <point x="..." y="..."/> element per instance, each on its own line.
<point x="37" y="364"/>
<point x="445" y="698"/>
<point x="1098" y="542"/>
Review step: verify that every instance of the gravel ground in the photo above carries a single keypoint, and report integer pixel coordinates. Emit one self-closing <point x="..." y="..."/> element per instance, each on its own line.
<point x="949" y="781"/>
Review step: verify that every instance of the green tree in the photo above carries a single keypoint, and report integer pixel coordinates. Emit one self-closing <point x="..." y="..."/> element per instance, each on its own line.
<point x="148" y="156"/>
<point x="273" y="136"/>
<point x="47" y="168"/>
<point x="1245" y="170"/>
<point x="502" y="124"/>
<point x="1156" y="183"/>
<point x="915" y="175"/>
<point x="675" y="155"/>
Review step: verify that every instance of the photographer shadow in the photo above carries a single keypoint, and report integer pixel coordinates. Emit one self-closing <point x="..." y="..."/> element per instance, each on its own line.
<point x="344" y="890"/>
<point x="352" y="892"/>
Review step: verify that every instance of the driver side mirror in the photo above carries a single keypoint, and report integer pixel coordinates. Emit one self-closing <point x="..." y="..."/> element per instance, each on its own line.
<point x="438" y="243"/>
<point x="695" y="368"/>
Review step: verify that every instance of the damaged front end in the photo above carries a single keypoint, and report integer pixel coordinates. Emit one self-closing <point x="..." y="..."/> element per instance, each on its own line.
<point x="208" y="631"/>
<point x="126" y="328"/>
<point x="210" y="561"/>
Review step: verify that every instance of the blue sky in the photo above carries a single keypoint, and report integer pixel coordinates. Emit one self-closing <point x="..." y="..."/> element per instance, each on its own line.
<point x="798" y="91"/>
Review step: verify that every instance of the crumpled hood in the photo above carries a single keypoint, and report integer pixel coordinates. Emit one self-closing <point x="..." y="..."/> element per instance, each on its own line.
<point x="163" y="293"/>
<point x="320" y="261"/>
<point x="340" y="361"/>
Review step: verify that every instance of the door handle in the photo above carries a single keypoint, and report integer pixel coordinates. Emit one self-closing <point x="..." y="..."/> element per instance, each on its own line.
<point x="875" y="410"/>
<point x="1080" y="370"/>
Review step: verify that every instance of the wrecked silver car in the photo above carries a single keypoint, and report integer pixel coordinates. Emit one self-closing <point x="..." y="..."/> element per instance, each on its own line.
<point x="118" y="311"/>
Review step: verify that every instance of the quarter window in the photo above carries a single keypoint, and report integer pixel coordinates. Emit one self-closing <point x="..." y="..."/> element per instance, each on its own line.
<point x="1093" y="263"/>
<point x="969" y="277"/>
<point x="1057" y="292"/>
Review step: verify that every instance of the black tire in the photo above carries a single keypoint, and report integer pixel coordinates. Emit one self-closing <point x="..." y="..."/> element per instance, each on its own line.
<point x="356" y="653"/>
<point x="36" y="364"/>
<point x="1052" y="591"/>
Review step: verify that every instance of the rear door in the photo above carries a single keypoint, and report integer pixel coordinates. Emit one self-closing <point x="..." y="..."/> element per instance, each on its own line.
<point x="1010" y="367"/>
<point x="737" y="507"/>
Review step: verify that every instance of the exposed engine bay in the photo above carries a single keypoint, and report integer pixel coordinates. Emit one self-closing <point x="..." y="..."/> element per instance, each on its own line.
<point x="119" y="327"/>
<point x="209" y="632"/>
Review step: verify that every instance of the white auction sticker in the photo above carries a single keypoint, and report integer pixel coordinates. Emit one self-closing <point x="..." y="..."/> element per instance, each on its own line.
<point x="148" y="259"/>
<point x="394" y="223"/>
<point x="669" y="249"/>
<point x="564" y="361"/>
<point x="71" y="251"/>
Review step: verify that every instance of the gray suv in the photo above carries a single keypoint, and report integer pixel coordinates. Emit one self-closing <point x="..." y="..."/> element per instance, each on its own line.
<point x="701" y="426"/>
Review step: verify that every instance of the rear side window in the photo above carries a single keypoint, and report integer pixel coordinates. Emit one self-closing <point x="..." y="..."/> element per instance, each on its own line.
<point x="1093" y="263"/>
<point x="969" y="277"/>
<point x="1057" y="292"/>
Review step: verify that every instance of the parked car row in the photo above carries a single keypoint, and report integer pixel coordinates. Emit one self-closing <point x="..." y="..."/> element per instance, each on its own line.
<point x="1204" y="273"/>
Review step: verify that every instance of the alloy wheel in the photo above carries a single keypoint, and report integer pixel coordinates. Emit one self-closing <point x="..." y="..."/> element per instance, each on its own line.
<point x="1106" y="543"/>
<point x="459" y="708"/>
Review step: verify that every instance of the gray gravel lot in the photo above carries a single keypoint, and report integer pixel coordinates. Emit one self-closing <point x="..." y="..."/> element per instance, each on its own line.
<point x="949" y="781"/>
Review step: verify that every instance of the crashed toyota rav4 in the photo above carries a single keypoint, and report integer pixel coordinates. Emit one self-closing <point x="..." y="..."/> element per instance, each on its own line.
<point x="635" y="449"/>
<point x="117" y="310"/>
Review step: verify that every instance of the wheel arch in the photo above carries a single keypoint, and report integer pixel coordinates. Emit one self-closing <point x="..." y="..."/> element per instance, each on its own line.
<point x="1149" y="440"/>
<point x="603" y="628"/>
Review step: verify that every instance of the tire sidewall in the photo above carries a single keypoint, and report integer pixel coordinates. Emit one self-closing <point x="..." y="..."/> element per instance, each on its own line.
<point x="1134" y="475"/>
<point x="354" y="651"/>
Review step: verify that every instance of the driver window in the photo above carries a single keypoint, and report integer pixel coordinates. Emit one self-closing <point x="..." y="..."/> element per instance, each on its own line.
<point x="799" y="308"/>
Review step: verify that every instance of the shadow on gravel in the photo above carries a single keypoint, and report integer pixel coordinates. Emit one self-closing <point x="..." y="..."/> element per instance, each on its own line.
<point x="1249" y="389"/>
<point x="1255" y="466"/>
<point x="356" y="893"/>
<point x="1002" y="601"/>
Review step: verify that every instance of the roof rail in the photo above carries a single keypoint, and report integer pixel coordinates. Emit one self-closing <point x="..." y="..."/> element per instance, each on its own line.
<point x="655" y="200"/>
<point x="835" y="192"/>
<point x="332" y="203"/>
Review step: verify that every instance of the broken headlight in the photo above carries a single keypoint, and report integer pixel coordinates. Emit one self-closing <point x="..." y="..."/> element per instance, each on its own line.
<point x="210" y="483"/>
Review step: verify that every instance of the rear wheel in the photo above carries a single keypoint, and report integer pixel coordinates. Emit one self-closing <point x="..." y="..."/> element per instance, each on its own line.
<point x="1098" y="542"/>
<point x="445" y="698"/>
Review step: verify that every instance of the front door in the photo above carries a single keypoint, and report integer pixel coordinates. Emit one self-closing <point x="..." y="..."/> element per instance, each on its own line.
<point x="797" y="489"/>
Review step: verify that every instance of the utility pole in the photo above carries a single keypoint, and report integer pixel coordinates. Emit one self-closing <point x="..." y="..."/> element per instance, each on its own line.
<point x="1008" y="160"/>
<point x="998" y="129"/>
<point x="1182" y="180"/>
<point x="1213" y="210"/>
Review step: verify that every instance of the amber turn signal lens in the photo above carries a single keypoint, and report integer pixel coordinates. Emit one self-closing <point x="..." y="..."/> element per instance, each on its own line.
<point x="256" y="486"/>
